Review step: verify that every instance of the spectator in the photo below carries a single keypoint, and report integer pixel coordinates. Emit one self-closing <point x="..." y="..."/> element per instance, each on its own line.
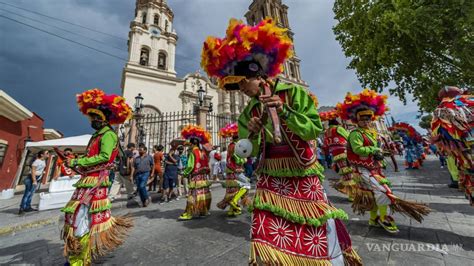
<point x="124" y="174"/>
<point x="158" y="176"/>
<point x="32" y="181"/>
<point x="143" y="168"/>
<point x="182" y="163"/>
<point x="223" y="164"/>
<point x="171" y="174"/>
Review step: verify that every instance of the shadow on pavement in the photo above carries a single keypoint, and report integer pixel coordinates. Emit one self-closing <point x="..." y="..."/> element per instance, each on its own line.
<point x="33" y="253"/>
<point x="216" y="221"/>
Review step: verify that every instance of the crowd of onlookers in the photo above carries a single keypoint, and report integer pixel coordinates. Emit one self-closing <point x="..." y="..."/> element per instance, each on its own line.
<point x="138" y="171"/>
<point x="162" y="172"/>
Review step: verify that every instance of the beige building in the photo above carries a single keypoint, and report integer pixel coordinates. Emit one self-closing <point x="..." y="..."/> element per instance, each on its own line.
<point x="150" y="69"/>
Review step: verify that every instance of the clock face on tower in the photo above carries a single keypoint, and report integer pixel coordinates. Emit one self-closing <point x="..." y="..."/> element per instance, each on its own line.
<point x="155" y="31"/>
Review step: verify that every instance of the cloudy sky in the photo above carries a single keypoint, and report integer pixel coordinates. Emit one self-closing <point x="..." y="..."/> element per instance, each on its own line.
<point x="44" y="72"/>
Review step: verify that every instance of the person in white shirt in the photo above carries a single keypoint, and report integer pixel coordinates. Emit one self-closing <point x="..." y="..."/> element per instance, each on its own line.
<point x="32" y="180"/>
<point x="223" y="165"/>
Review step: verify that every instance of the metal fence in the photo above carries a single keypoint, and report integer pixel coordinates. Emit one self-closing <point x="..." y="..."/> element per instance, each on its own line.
<point x="156" y="129"/>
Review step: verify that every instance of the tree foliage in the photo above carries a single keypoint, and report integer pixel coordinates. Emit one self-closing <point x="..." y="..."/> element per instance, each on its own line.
<point x="425" y="122"/>
<point x="408" y="46"/>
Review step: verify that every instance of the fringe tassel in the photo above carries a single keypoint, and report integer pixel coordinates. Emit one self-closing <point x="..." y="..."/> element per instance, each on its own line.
<point x="246" y="200"/>
<point x="347" y="187"/>
<point x="72" y="245"/>
<point x="284" y="167"/>
<point x="351" y="258"/>
<point x="100" y="205"/>
<point x="90" y="182"/>
<point x="71" y="206"/>
<point x="413" y="209"/>
<point x="198" y="205"/>
<point x="363" y="201"/>
<point x="305" y="208"/>
<point x="262" y="254"/>
<point x="225" y="202"/>
<point x="109" y="235"/>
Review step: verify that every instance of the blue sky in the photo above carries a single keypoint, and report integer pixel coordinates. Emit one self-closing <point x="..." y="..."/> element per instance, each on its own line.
<point x="44" y="72"/>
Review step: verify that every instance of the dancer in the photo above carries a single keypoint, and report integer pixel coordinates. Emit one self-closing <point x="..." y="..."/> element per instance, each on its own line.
<point x="293" y="222"/>
<point x="236" y="184"/>
<point x="407" y="134"/>
<point x="374" y="193"/>
<point x="197" y="169"/>
<point x="453" y="132"/>
<point x="89" y="229"/>
<point x="335" y="142"/>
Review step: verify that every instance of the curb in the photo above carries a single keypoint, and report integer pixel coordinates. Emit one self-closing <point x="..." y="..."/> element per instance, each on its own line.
<point x="38" y="223"/>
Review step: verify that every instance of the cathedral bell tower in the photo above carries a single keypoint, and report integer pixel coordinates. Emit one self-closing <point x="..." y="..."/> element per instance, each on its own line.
<point x="152" y="39"/>
<point x="260" y="9"/>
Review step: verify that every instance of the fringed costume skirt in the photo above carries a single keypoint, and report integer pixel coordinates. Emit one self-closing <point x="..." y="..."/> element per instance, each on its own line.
<point x="88" y="212"/>
<point x="292" y="221"/>
<point x="199" y="196"/>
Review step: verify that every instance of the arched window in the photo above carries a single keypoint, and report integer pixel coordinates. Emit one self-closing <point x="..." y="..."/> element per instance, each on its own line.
<point x="292" y="71"/>
<point x="166" y="25"/>
<point x="253" y="20"/>
<point x="144" y="56"/>
<point x="156" y="19"/>
<point x="144" y="18"/>
<point x="162" y="60"/>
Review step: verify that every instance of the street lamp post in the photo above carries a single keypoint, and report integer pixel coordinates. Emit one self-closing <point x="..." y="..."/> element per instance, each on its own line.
<point x="202" y="110"/>
<point x="134" y="134"/>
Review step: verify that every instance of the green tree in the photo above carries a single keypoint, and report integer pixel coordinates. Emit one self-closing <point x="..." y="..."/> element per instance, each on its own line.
<point x="425" y="122"/>
<point x="408" y="46"/>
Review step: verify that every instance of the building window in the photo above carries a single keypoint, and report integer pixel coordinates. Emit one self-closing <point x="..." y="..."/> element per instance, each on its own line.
<point x="166" y="25"/>
<point x="3" y="152"/>
<point x="263" y="12"/>
<point x="156" y="19"/>
<point x="144" y="18"/>
<point x="162" y="61"/>
<point x="144" y="56"/>
<point x="292" y="71"/>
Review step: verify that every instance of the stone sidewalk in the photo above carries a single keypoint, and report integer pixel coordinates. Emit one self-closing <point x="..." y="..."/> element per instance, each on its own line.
<point x="446" y="237"/>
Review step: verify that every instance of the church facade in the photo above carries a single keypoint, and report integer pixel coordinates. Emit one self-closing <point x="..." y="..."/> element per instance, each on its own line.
<point x="150" y="69"/>
<point x="151" y="66"/>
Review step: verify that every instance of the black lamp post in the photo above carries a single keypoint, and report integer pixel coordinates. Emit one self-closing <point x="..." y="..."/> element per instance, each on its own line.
<point x="138" y="102"/>
<point x="201" y="95"/>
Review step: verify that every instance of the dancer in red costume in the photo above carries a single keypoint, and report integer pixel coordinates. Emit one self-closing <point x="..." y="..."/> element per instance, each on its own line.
<point x="293" y="223"/>
<point x="90" y="230"/>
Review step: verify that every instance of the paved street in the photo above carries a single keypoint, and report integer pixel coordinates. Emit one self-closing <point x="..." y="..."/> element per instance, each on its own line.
<point x="446" y="237"/>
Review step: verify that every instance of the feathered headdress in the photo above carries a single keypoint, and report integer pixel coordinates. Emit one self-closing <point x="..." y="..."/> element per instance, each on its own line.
<point x="193" y="131"/>
<point x="315" y="99"/>
<point x="409" y="130"/>
<point x="368" y="102"/>
<point x="329" y="115"/>
<point x="264" y="45"/>
<point x="111" y="108"/>
<point x="230" y="130"/>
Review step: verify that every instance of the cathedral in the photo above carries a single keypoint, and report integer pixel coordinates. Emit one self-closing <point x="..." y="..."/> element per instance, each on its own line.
<point x="150" y="69"/>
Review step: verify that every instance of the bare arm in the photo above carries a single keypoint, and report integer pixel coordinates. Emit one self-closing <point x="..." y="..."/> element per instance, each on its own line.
<point x="33" y="174"/>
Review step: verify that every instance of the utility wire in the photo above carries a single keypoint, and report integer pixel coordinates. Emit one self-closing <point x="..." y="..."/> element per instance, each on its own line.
<point x="64" y="38"/>
<point x="64" y="21"/>
<point x="68" y="31"/>
<point x="78" y="43"/>
<point x="77" y="25"/>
